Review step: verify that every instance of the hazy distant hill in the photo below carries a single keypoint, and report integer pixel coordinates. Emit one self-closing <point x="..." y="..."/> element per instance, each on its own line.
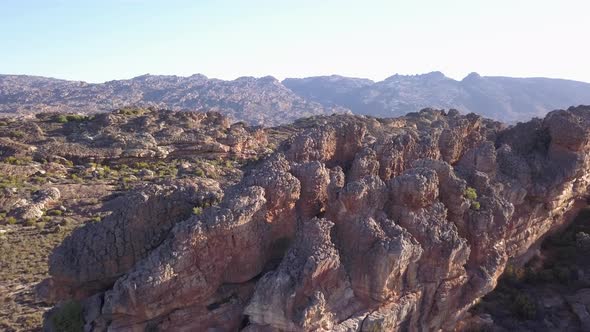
<point x="267" y="101"/>
<point x="255" y="100"/>
<point x="502" y="98"/>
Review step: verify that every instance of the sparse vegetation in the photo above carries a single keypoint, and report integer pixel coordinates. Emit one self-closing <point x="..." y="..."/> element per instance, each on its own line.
<point x="65" y="118"/>
<point x="68" y="317"/>
<point x="18" y="160"/>
<point x="471" y="194"/>
<point x="132" y="111"/>
<point x="524" y="306"/>
<point x="55" y="212"/>
<point x="87" y="176"/>
<point x="197" y="210"/>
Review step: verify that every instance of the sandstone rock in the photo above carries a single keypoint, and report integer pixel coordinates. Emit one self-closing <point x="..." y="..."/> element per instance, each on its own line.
<point x="352" y="226"/>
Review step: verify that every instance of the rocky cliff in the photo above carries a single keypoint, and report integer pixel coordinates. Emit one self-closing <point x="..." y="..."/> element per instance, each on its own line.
<point x="354" y="224"/>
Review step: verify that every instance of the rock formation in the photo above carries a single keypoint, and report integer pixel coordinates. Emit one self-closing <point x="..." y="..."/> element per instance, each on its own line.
<point x="355" y="224"/>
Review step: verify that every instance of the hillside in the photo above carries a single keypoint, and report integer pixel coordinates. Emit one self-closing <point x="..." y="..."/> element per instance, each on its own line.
<point x="501" y="98"/>
<point x="254" y="100"/>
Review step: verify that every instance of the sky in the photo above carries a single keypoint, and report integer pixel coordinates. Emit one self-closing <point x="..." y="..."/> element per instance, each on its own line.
<point x="97" y="41"/>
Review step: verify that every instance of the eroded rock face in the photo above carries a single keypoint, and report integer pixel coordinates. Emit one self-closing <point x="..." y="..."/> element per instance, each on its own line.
<point x="94" y="256"/>
<point x="355" y="224"/>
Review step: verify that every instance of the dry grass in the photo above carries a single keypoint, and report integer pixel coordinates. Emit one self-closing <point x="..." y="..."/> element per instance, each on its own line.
<point x="23" y="263"/>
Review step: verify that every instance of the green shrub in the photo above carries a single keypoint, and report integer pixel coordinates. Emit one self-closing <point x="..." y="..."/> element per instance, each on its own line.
<point x="470" y="194"/>
<point x="546" y="275"/>
<point x="131" y="111"/>
<point x="514" y="273"/>
<point x="524" y="306"/>
<point x="55" y="213"/>
<point x="17" y="134"/>
<point x="562" y="273"/>
<point x="30" y="222"/>
<point x="18" y="161"/>
<point x="65" y="118"/>
<point x="96" y="219"/>
<point x="76" y="178"/>
<point x="77" y="118"/>
<point x="11" y="220"/>
<point x="68" y="318"/>
<point x="197" y="210"/>
<point x="61" y="118"/>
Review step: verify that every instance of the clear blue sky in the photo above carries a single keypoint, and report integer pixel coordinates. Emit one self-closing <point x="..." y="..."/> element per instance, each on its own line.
<point x="97" y="41"/>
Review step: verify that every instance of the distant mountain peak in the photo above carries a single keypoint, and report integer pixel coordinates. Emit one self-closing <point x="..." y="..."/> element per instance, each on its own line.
<point x="471" y="77"/>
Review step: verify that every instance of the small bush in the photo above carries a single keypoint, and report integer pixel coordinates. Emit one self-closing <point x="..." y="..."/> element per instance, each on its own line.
<point x="61" y="119"/>
<point x="54" y="213"/>
<point x="470" y="194"/>
<point x="11" y="220"/>
<point x="18" y="161"/>
<point x="562" y="273"/>
<point x="96" y="219"/>
<point x="65" y="118"/>
<point x="131" y="111"/>
<point x="68" y="318"/>
<point x="524" y="306"/>
<point x="30" y="222"/>
<point x="197" y="210"/>
<point x="513" y="273"/>
<point x="17" y="134"/>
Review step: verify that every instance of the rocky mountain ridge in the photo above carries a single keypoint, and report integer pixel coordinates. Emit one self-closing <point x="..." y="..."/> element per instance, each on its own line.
<point x="505" y="99"/>
<point x="254" y="100"/>
<point x="266" y="101"/>
<point x="354" y="224"/>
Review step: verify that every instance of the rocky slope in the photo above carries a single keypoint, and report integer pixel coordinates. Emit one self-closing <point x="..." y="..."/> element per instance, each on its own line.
<point x="254" y="100"/>
<point x="502" y="98"/>
<point x="61" y="171"/>
<point x="354" y="224"/>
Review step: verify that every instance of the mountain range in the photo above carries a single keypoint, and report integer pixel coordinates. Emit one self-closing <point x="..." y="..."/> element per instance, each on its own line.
<point x="268" y="101"/>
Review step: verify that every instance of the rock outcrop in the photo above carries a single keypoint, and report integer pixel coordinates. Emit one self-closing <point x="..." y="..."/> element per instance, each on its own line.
<point x="355" y="224"/>
<point x="32" y="209"/>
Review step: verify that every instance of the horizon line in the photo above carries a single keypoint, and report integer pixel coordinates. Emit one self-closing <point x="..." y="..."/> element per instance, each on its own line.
<point x="279" y="79"/>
